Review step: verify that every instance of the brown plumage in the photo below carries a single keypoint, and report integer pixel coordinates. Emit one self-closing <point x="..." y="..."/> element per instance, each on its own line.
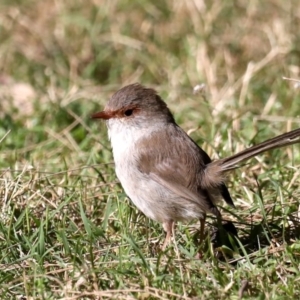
<point x="164" y="172"/>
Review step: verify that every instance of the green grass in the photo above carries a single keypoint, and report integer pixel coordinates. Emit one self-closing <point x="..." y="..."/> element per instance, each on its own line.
<point x="67" y="230"/>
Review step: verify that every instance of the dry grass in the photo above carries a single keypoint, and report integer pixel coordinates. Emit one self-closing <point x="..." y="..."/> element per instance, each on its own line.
<point x="67" y="230"/>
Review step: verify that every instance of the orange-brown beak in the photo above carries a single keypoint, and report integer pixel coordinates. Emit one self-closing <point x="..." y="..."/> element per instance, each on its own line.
<point x="105" y="115"/>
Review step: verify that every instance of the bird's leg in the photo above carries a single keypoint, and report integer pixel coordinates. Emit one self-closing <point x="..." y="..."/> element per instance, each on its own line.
<point x="202" y="228"/>
<point x="168" y="228"/>
<point x="221" y="230"/>
<point x="199" y="255"/>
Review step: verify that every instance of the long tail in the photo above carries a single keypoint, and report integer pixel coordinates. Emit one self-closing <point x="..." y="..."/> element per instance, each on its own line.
<point x="231" y="162"/>
<point x="282" y="140"/>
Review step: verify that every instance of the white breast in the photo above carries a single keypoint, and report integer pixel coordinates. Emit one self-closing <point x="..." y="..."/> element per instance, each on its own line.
<point x="136" y="185"/>
<point x="145" y="193"/>
<point x="123" y="139"/>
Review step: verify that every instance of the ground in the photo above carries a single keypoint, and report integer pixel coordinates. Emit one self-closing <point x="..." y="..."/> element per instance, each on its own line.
<point x="67" y="230"/>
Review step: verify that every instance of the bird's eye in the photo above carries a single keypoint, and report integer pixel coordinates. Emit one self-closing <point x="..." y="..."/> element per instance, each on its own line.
<point x="128" y="112"/>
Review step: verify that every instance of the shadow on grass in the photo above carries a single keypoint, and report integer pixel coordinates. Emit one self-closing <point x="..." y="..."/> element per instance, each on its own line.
<point x="229" y="243"/>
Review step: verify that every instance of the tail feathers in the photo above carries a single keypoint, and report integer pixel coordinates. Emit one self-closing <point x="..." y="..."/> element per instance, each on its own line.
<point x="214" y="172"/>
<point x="226" y="196"/>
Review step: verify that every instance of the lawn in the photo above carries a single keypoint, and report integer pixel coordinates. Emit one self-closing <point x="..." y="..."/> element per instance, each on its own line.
<point x="67" y="229"/>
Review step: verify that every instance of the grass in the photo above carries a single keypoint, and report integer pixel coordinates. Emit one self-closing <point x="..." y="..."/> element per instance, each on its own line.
<point x="67" y="230"/>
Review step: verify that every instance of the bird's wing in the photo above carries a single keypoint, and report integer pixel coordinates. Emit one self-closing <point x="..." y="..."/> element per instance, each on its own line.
<point x="178" y="167"/>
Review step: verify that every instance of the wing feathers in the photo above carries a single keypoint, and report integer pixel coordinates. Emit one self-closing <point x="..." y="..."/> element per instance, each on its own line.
<point x="180" y="167"/>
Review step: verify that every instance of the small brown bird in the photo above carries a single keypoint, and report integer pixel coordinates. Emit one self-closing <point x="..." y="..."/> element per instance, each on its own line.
<point x="162" y="170"/>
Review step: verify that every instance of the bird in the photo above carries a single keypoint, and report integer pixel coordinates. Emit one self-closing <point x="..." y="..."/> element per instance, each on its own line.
<point x="167" y="176"/>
